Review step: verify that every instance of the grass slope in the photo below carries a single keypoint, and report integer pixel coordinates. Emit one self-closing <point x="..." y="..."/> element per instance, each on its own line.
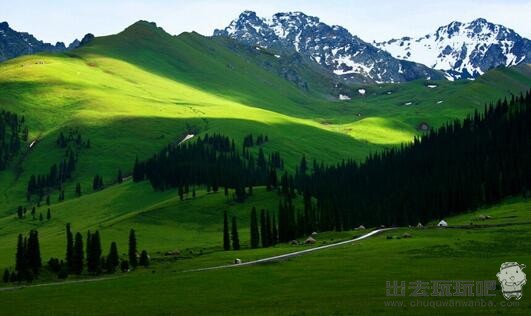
<point x="135" y="92"/>
<point x="341" y="281"/>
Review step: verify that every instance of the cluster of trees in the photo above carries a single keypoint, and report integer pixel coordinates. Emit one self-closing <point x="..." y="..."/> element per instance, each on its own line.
<point x="96" y="263"/>
<point x="59" y="173"/>
<point x="234" y="235"/>
<point x="21" y="213"/>
<point x="275" y="161"/>
<point x="249" y="141"/>
<point x="97" y="183"/>
<point x="292" y="223"/>
<point x="73" y="139"/>
<point x="264" y="232"/>
<point x="12" y="134"/>
<point x="28" y="259"/>
<point x="461" y="166"/>
<point x="41" y="184"/>
<point x="78" y="257"/>
<point x="212" y="161"/>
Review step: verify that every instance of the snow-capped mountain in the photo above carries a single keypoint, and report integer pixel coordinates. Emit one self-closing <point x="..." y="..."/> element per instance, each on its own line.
<point x="14" y="44"/>
<point x="463" y="50"/>
<point x="332" y="47"/>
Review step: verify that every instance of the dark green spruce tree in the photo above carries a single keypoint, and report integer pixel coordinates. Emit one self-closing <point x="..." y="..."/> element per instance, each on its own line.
<point x="226" y="237"/>
<point x="69" y="248"/>
<point x="144" y="259"/>
<point x="255" y="235"/>
<point x="263" y="229"/>
<point x="234" y="235"/>
<point x="132" y="249"/>
<point x="21" y="263"/>
<point x="113" y="259"/>
<point x="33" y="252"/>
<point x="77" y="255"/>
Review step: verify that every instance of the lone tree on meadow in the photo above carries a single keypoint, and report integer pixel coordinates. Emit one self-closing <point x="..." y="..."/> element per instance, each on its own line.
<point x="255" y="235"/>
<point x="226" y="238"/>
<point x="234" y="233"/>
<point x="132" y="249"/>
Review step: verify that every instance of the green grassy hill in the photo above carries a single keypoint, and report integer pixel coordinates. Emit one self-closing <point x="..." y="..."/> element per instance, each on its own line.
<point x="135" y="92"/>
<point x="343" y="280"/>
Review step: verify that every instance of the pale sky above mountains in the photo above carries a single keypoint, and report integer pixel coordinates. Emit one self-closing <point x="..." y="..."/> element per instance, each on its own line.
<point x="65" y="20"/>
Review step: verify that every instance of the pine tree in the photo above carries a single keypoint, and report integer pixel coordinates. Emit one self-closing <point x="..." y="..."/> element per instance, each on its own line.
<point x="94" y="252"/>
<point x="33" y="252"/>
<point x="78" y="189"/>
<point x="48" y="214"/>
<point x="132" y="249"/>
<point x="113" y="258"/>
<point x="69" y="248"/>
<point x="181" y="192"/>
<point x="13" y="277"/>
<point x="234" y="235"/>
<point x="88" y="251"/>
<point x="41" y="218"/>
<point x="21" y="265"/>
<point x="274" y="232"/>
<point x="255" y="236"/>
<point x="263" y="229"/>
<point x="77" y="256"/>
<point x="226" y="238"/>
<point x="269" y="233"/>
<point x="96" y="249"/>
<point x="144" y="259"/>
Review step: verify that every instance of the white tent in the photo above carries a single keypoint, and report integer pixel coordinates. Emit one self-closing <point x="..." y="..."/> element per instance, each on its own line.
<point x="442" y="223"/>
<point x="310" y="240"/>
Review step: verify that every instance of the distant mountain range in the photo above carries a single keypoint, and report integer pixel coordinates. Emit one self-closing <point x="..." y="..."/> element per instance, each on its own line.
<point x="458" y="50"/>
<point x="463" y="50"/>
<point x="14" y="43"/>
<point x="332" y="47"/>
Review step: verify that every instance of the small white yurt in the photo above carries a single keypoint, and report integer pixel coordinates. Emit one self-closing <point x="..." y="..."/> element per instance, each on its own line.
<point x="442" y="223"/>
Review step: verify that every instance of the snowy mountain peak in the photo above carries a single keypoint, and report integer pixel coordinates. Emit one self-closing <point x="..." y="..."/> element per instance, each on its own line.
<point x="332" y="47"/>
<point x="463" y="50"/>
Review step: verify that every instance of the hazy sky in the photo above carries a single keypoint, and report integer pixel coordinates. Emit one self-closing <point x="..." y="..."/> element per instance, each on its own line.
<point x="64" y="20"/>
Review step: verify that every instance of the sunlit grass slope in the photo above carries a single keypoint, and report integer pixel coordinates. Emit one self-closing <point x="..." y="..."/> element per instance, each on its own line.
<point x="135" y="92"/>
